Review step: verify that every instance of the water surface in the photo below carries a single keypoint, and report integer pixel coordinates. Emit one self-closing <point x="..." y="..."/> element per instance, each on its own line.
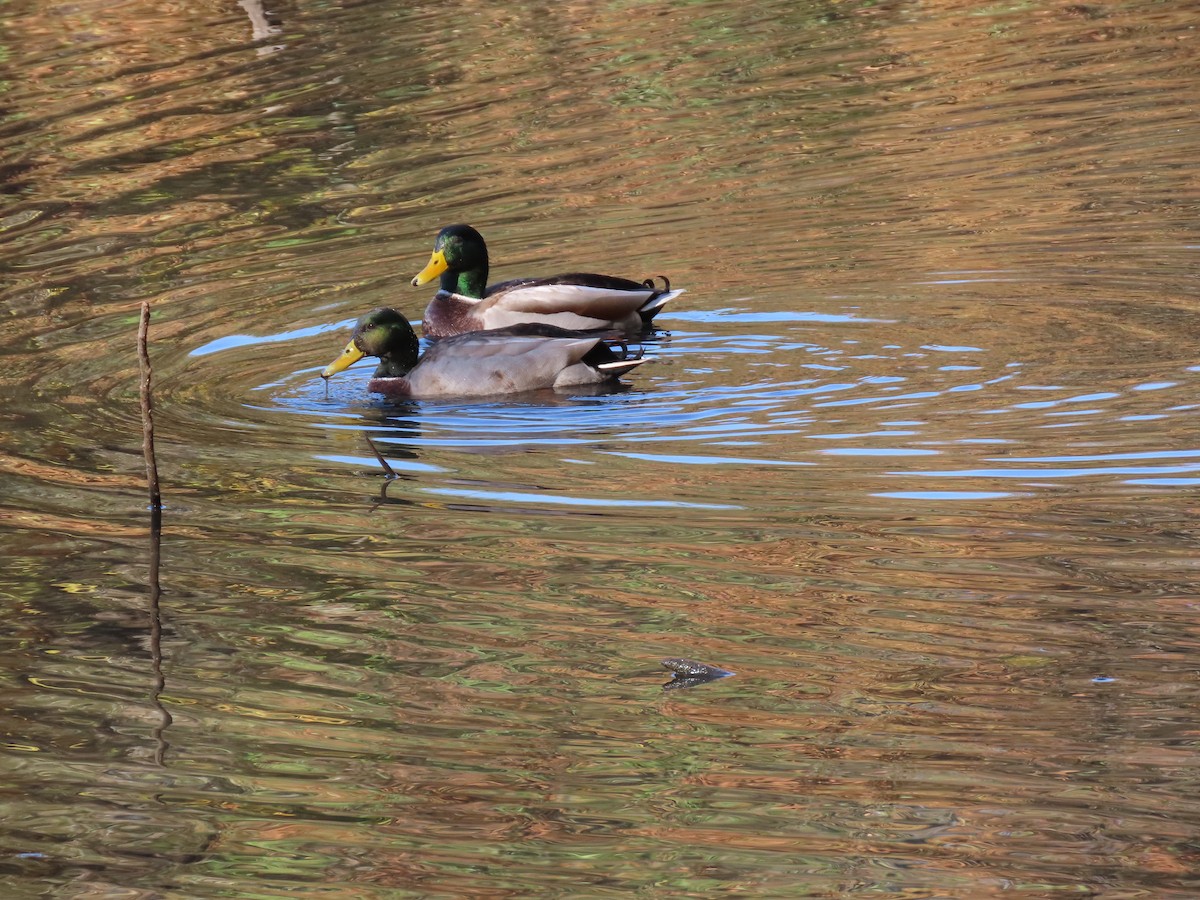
<point x="915" y="459"/>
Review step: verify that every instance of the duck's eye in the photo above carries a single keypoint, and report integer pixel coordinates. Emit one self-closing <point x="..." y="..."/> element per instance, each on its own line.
<point x="370" y="325"/>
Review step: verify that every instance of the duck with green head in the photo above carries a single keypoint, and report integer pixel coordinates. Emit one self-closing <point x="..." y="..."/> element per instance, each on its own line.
<point x="527" y="357"/>
<point x="578" y="300"/>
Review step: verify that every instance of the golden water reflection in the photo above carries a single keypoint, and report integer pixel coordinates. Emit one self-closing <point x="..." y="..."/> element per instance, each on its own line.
<point x="915" y="458"/>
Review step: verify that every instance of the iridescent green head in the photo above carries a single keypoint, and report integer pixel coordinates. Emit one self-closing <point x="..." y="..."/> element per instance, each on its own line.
<point x="460" y="257"/>
<point x="384" y="333"/>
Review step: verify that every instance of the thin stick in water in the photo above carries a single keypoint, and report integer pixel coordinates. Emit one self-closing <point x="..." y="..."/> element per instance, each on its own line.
<point x="155" y="536"/>
<point x="148" y="409"/>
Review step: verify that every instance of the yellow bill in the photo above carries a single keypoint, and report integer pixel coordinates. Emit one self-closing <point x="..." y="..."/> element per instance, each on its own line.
<point x="345" y="360"/>
<point x="437" y="265"/>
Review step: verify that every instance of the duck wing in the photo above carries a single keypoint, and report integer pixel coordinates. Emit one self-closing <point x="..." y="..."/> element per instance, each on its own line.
<point x="601" y="297"/>
<point x="526" y="357"/>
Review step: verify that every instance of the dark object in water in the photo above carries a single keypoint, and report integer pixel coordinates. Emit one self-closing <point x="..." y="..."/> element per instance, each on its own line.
<point x="690" y="672"/>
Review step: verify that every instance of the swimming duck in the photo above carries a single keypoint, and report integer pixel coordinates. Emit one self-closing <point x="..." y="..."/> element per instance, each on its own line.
<point x="526" y="357"/>
<point x="578" y="300"/>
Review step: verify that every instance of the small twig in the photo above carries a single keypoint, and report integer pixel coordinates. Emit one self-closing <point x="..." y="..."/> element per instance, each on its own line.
<point x="148" y="410"/>
<point x="156" y="654"/>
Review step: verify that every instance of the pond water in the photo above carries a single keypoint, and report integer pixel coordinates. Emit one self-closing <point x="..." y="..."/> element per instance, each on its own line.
<point x="916" y="457"/>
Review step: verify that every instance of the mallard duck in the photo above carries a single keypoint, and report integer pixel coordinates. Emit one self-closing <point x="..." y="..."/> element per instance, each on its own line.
<point x="526" y="357"/>
<point x="577" y="300"/>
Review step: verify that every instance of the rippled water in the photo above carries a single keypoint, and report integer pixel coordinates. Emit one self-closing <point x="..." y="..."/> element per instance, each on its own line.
<point x="916" y="457"/>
